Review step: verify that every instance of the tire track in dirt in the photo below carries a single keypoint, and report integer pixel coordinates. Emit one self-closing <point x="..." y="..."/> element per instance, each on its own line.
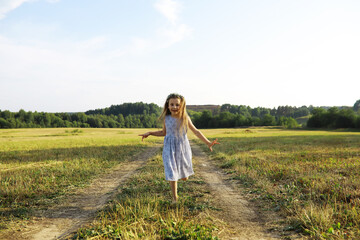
<point x="244" y="221"/>
<point x="60" y="221"/>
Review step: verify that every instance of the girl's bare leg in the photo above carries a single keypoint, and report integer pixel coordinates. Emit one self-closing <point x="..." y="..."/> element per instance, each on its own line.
<point x="184" y="179"/>
<point x="173" y="185"/>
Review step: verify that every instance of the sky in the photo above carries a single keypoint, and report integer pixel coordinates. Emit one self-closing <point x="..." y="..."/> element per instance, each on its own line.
<point x="73" y="56"/>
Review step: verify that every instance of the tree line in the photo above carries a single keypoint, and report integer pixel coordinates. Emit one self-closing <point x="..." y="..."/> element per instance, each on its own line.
<point x="229" y="116"/>
<point x="24" y="119"/>
<point x="226" y="119"/>
<point x="142" y="115"/>
<point x="126" y="109"/>
<point x="334" y="118"/>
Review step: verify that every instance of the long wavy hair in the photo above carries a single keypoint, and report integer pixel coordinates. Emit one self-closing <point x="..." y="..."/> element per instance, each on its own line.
<point x="183" y="116"/>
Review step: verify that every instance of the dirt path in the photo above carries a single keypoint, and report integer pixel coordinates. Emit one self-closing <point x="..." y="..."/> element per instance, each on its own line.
<point x="60" y="221"/>
<point x="245" y="222"/>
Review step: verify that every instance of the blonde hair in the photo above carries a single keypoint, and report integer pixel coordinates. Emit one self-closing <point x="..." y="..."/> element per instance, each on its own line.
<point x="183" y="117"/>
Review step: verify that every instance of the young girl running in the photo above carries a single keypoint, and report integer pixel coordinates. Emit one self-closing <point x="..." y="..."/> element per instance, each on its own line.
<point x="177" y="152"/>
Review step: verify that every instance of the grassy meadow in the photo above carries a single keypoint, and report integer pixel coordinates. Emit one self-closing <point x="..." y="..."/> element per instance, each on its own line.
<point x="38" y="167"/>
<point x="143" y="210"/>
<point x="311" y="177"/>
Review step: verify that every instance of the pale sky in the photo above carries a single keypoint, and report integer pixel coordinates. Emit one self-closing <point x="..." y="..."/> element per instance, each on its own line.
<point x="69" y="56"/>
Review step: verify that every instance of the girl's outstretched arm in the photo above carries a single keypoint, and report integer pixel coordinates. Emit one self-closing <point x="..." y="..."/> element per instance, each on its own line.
<point x="156" y="133"/>
<point x="201" y="136"/>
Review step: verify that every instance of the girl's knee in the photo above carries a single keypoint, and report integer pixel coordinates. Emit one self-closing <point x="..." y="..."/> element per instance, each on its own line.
<point x="184" y="179"/>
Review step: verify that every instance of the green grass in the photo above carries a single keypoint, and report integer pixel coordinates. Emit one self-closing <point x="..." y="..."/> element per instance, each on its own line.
<point x="40" y="166"/>
<point x="143" y="210"/>
<point x="312" y="177"/>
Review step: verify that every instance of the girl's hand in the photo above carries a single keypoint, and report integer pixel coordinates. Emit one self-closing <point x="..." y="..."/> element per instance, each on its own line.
<point x="212" y="144"/>
<point x="145" y="135"/>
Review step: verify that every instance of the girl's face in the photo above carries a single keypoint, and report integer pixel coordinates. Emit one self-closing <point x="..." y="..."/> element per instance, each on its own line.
<point x="174" y="106"/>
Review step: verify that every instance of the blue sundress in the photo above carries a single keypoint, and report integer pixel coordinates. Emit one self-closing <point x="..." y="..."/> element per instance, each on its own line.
<point x="176" y="152"/>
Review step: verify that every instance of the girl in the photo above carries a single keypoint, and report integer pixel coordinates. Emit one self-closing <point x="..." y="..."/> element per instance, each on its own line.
<point x="177" y="152"/>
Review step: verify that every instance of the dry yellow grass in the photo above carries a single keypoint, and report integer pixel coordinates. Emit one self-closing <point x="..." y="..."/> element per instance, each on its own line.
<point x="39" y="166"/>
<point x="313" y="177"/>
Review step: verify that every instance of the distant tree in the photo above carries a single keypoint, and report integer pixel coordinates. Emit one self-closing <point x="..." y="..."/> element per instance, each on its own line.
<point x="234" y="109"/>
<point x="127" y="109"/>
<point x="311" y="107"/>
<point x="287" y="122"/>
<point x="240" y="120"/>
<point x="357" y="122"/>
<point x="121" y="120"/>
<point x="254" y="121"/>
<point x="205" y="118"/>
<point x="244" y="111"/>
<point x="226" y="120"/>
<point x="54" y="121"/>
<point x="268" y="120"/>
<point x="4" y="123"/>
<point x="11" y="123"/>
<point x="80" y="117"/>
<point x="6" y="114"/>
<point x="20" y="115"/>
<point x="51" y="120"/>
<point x="356" y="106"/>
<point x="225" y="107"/>
<point x="264" y="111"/>
<point x="129" y="121"/>
<point x="301" y="112"/>
<point x="255" y="112"/>
<point x="67" y="123"/>
<point x="316" y="120"/>
<point x="195" y="116"/>
<point x="346" y="119"/>
<point x="94" y="122"/>
<point x="29" y="117"/>
<point x="285" y="111"/>
<point x="333" y="118"/>
<point x="330" y="118"/>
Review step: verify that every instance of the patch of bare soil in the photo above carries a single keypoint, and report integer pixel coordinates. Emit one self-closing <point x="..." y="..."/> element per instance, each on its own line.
<point x="60" y="221"/>
<point x="245" y="220"/>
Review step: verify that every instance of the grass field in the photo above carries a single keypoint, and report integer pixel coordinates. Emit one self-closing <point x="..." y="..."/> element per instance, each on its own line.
<point x="311" y="177"/>
<point x="143" y="209"/>
<point x="39" y="166"/>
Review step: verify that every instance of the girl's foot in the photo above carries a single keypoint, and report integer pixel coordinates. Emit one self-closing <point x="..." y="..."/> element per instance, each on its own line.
<point x="175" y="200"/>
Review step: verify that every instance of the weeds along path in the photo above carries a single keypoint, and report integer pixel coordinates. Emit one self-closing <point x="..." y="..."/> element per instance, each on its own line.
<point x="243" y="220"/>
<point x="60" y="221"/>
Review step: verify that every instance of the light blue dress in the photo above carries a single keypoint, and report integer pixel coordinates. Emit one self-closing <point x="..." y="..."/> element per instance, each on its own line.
<point x="176" y="152"/>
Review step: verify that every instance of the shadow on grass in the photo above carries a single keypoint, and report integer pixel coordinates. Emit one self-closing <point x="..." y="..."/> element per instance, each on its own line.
<point x="251" y="142"/>
<point x="63" y="154"/>
<point x="322" y="129"/>
<point x="302" y="129"/>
